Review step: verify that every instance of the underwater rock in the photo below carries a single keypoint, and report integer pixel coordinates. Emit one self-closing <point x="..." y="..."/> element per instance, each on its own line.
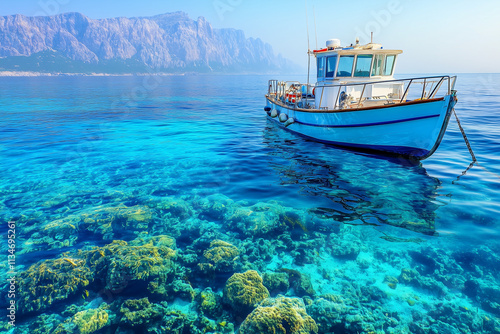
<point x="42" y="324"/>
<point x="265" y="220"/>
<point x="85" y="322"/>
<point x="300" y="282"/>
<point x="462" y="318"/>
<point x="175" y="321"/>
<point x="348" y="247"/>
<point x="53" y="235"/>
<point x="140" y="312"/>
<point x="118" y="264"/>
<point x="209" y="303"/>
<point x="118" y="220"/>
<point x="156" y="241"/>
<point x="365" y="260"/>
<point x="90" y="321"/>
<point x="213" y="207"/>
<point x="328" y="313"/>
<point x="413" y="278"/>
<point x="371" y="294"/>
<point x="484" y="292"/>
<point x="220" y="256"/>
<point x="109" y="269"/>
<point x="51" y="281"/>
<point x="276" y="283"/>
<point x="303" y="286"/>
<point x="244" y="291"/>
<point x="175" y="207"/>
<point x="279" y="315"/>
<point x="182" y="289"/>
<point x="304" y="255"/>
<point x="258" y="252"/>
<point x="391" y="281"/>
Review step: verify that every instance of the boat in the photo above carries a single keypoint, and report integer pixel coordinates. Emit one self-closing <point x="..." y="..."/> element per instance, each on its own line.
<point x="357" y="103"/>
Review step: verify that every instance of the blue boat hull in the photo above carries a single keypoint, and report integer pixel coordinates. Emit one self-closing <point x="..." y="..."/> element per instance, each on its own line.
<point x="413" y="129"/>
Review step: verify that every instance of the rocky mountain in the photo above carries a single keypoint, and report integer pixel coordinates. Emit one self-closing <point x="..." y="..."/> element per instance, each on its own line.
<point x="166" y="43"/>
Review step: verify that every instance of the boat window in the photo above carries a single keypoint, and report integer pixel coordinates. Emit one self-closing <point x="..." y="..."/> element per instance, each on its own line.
<point x="345" y="66"/>
<point x="363" y="65"/>
<point x="377" y="65"/>
<point x="331" y="63"/>
<point x="320" y="61"/>
<point x="389" y="64"/>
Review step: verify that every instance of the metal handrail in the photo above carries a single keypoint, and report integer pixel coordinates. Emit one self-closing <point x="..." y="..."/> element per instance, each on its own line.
<point x="406" y="91"/>
<point x="281" y="87"/>
<point x="444" y="77"/>
<point x="432" y="92"/>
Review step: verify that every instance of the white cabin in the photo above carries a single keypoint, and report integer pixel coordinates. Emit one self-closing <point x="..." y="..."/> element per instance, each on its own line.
<point x="354" y="64"/>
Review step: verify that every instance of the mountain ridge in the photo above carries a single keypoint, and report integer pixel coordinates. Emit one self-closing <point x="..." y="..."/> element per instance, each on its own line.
<point x="170" y="42"/>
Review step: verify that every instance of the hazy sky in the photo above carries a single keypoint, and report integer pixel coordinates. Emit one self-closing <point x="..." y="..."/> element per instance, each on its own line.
<point x="437" y="36"/>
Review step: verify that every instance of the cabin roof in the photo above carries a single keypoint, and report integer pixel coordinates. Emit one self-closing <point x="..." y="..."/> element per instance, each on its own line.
<point x="361" y="50"/>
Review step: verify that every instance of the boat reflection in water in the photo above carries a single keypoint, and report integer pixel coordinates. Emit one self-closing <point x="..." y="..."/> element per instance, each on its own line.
<point x="354" y="188"/>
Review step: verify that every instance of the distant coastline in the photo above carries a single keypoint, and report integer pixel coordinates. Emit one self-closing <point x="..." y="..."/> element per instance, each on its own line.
<point x="168" y="44"/>
<point x="45" y="74"/>
<point x="4" y="74"/>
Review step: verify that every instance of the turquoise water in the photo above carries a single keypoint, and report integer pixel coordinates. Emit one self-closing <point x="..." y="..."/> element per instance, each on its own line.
<point x="86" y="161"/>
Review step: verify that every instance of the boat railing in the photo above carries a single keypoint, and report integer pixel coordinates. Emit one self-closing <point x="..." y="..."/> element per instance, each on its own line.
<point x="398" y="91"/>
<point x="290" y="92"/>
<point x="355" y="95"/>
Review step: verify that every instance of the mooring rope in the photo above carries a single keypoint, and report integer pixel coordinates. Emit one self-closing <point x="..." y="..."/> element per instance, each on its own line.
<point x="474" y="160"/>
<point x="465" y="137"/>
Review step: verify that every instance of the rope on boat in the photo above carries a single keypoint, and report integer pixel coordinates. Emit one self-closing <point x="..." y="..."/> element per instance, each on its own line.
<point x="465" y="137"/>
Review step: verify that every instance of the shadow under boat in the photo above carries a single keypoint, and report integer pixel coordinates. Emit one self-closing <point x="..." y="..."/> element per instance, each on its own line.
<point x="360" y="188"/>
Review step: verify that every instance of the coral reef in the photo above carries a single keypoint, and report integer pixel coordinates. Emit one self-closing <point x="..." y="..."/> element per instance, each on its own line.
<point x="119" y="263"/>
<point x="328" y="313"/>
<point x="206" y="279"/>
<point x="209" y="303"/>
<point x="109" y="269"/>
<point x="244" y="291"/>
<point x="54" y="235"/>
<point x="279" y="315"/>
<point x="174" y="207"/>
<point x="346" y="247"/>
<point x="265" y="219"/>
<point x="90" y="321"/>
<point x="85" y="322"/>
<point x="50" y="281"/>
<point x="113" y="221"/>
<point x="276" y="283"/>
<point x="140" y="313"/>
<point x="220" y="256"/>
<point x="301" y="283"/>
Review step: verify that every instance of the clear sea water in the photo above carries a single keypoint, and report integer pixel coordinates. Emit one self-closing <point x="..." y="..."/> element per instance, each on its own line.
<point x="73" y="144"/>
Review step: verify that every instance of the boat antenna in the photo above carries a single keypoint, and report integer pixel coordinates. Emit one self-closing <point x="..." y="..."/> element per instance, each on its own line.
<point x="308" y="53"/>
<point x="372" y="38"/>
<point x="315" y="31"/>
